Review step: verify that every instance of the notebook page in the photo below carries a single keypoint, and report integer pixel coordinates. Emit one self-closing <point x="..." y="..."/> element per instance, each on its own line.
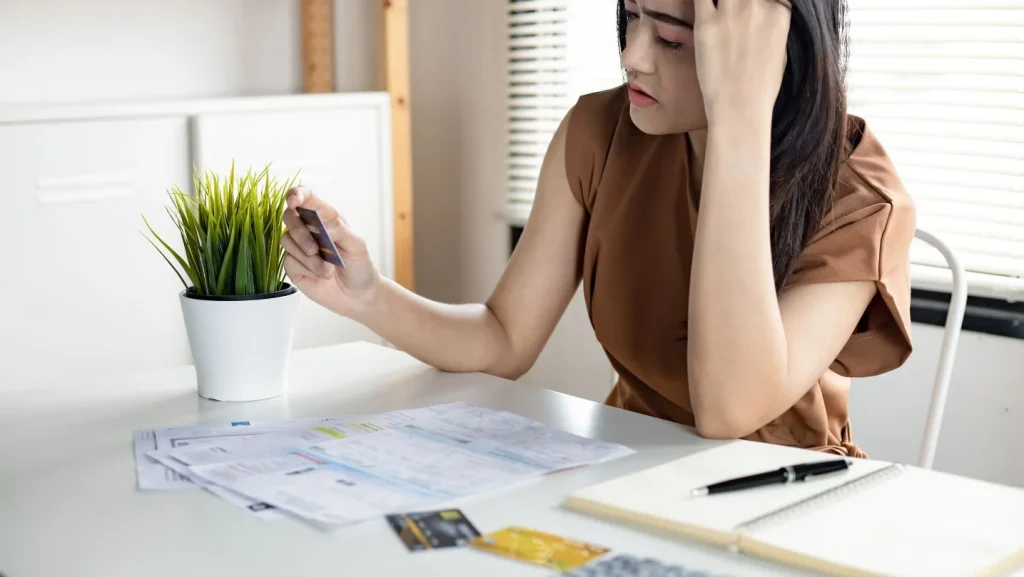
<point x="659" y="496"/>
<point x="914" y="523"/>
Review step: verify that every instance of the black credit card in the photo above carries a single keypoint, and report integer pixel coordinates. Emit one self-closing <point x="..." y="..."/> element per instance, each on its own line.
<point x="328" y="250"/>
<point x="433" y="529"/>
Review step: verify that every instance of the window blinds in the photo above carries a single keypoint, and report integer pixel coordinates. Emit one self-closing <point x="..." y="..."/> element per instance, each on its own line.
<point x="556" y="50"/>
<point x="941" y="82"/>
<point x="537" y="92"/>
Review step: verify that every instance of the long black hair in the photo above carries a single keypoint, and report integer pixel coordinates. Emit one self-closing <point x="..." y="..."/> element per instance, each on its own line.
<point x="809" y="126"/>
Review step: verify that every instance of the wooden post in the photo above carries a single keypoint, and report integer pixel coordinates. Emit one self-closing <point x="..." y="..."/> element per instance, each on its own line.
<point x="317" y="24"/>
<point x="396" y="65"/>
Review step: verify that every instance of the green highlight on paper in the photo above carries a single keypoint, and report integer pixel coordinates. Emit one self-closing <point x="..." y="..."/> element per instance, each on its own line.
<point x="332" y="432"/>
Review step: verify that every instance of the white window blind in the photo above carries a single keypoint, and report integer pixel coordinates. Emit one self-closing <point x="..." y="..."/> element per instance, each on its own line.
<point x="556" y="51"/>
<point x="941" y="82"/>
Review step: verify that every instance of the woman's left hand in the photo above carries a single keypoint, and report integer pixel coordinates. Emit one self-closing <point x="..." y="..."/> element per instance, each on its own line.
<point x="741" y="54"/>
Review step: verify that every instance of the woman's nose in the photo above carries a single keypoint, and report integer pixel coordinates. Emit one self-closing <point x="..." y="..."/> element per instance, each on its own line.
<point x="637" y="58"/>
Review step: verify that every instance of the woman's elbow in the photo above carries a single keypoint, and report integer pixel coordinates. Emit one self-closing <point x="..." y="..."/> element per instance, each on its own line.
<point x="512" y="365"/>
<point x="724" y="408"/>
<point x="725" y="416"/>
<point x="718" y="425"/>
<point x="511" y="373"/>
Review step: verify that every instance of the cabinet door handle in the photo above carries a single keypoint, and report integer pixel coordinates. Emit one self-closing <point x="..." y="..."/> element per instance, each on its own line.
<point x="85" y="187"/>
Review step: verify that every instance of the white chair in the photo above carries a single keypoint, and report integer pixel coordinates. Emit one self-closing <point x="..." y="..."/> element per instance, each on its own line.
<point x="944" y="371"/>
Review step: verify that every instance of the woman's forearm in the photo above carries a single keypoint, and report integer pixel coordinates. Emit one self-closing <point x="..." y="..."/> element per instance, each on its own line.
<point x="451" y="337"/>
<point x="736" y="348"/>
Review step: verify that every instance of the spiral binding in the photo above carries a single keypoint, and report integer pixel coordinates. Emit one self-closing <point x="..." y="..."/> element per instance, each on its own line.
<point x="837" y="492"/>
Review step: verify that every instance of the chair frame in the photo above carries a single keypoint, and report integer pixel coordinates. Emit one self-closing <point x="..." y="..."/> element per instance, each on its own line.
<point x="947" y="354"/>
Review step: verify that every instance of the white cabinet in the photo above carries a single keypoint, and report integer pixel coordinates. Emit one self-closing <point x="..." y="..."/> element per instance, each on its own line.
<point x="81" y="289"/>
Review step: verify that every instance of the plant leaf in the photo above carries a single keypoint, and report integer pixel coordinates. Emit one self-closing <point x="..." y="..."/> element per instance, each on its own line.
<point x="174" y="268"/>
<point x="255" y="224"/>
<point x="243" y="270"/>
<point x="230" y="228"/>
<point x="177" y="257"/>
<point x="222" y="278"/>
<point x="209" y="260"/>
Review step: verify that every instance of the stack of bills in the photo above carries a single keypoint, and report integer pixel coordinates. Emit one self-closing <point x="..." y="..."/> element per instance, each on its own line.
<point x="342" y="470"/>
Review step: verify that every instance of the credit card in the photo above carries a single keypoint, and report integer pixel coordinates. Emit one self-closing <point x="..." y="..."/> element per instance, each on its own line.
<point x="328" y="251"/>
<point x="626" y="565"/>
<point x="433" y="529"/>
<point x="538" y="548"/>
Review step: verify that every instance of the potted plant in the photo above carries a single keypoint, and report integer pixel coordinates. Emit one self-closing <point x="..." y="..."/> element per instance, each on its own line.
<point x="238" y="310"/>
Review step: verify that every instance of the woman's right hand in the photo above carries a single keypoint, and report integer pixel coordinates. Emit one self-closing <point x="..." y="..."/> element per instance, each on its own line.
<point x="345" y="291"/>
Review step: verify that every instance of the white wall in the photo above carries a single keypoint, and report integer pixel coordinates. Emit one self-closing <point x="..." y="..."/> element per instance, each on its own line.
<point x="70" y="50"/>
<point x="437" y="143"/>
<point x="983" y="429"/>
<point x="481" y="97"/>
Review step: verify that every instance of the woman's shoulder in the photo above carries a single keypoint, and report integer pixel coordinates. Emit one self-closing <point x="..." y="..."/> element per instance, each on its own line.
<point x="592" y="122"/>
<point x="868" y="184"/>
<point x="598" y="113"/>
<point x="591" y="126"/>
<point x="867" y="176"/>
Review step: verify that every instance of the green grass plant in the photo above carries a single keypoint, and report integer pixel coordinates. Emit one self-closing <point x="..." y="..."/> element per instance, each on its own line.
<point x="230" y="232"/>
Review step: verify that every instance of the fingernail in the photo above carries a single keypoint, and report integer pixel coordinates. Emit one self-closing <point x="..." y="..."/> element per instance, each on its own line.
<point x="311" y="249"/>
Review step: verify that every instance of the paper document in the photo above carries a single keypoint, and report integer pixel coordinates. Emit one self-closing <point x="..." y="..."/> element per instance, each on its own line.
<point x="149" y="473"/>
<point x="339" y="470"/>
<point x="544" y="447"/>
<point x="229" y="448"/>
<point x="196" y="446"/>
<point x="352" y="479"/>
<point x="316" y="488"/>
<point x="152" y="475"/>
<point x="520" y="438"/>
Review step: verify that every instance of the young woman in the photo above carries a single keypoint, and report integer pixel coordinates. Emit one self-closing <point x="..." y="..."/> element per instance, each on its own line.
<point x="743" y="244"/>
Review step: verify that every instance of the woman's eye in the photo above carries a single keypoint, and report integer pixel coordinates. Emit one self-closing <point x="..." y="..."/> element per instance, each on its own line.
<point x="669" y="45"/>
<point x="631" y="15"/>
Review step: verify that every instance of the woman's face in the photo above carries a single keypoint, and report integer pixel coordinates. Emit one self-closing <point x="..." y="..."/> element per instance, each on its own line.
<point x="664" y="93"/>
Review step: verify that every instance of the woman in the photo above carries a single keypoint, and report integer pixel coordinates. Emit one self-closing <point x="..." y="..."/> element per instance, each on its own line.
<point x="746" y="322"/>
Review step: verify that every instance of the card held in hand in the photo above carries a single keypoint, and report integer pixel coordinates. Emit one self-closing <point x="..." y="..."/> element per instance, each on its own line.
<point x="433" y="529"/>
<point x="328" y="250"/>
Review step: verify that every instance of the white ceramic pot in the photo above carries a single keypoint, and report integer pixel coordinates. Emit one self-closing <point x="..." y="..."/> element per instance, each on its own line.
<point x="241" y="345"/>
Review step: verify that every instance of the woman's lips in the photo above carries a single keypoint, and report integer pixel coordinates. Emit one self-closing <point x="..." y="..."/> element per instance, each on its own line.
<point x="640" y="98"/>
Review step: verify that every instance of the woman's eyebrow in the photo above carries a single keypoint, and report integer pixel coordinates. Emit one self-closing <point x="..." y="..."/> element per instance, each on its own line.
<point x="667" y="18"/>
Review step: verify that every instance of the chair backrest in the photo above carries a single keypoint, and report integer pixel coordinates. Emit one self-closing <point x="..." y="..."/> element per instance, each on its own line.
<point x="947" y="354"/>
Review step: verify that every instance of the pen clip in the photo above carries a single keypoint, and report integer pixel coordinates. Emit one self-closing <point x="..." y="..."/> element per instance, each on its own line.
<point x="849" y="463"/>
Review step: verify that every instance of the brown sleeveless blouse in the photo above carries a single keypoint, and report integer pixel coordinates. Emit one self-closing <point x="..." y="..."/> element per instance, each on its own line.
<point x="637" y="251"/>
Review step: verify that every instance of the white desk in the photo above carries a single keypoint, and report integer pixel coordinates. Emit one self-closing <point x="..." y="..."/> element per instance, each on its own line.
<point x="69" y="505"/>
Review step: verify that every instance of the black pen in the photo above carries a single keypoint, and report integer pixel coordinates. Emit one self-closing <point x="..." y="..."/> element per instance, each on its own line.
<point x="782" y="475"/>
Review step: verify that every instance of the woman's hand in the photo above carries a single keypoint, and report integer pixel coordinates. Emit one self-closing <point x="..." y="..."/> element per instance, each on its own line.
<point x="741" y="54"/>
<point x="345" y="291"/>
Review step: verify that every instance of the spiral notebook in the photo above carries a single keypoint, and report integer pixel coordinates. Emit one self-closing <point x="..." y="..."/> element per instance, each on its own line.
<point x="875" y="519"/>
